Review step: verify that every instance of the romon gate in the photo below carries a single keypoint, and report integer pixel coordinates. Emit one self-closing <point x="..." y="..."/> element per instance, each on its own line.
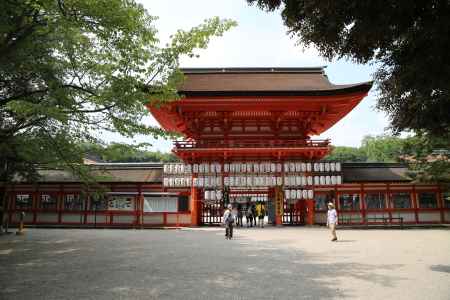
<point x="247" y="138"/>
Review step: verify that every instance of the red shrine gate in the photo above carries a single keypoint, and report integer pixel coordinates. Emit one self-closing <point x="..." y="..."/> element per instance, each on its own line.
<point x="248" y="131"/>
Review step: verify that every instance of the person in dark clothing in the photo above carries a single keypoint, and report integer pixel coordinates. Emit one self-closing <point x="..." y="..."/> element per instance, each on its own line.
<point x="240" y="215"/>
<point x="254" y="214"/>
<point x="249" y="216"/>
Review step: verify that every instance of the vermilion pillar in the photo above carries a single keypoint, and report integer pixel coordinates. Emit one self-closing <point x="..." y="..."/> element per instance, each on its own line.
<point x="309" y="211"/>
<point x="279" y="202"/>
<point x="194" y="205"/>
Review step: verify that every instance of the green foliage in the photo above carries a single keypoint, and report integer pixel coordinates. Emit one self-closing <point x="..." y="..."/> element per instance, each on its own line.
<point x="69" y="68"/>
<point x="408" y="40"/>
<point x="116" y="152"/>
<point x="347" y="154"/>
<point x="382" y="148"/>
<point x="427" y="156"/>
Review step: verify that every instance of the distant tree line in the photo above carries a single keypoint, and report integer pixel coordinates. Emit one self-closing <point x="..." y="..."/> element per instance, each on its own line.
<point x="426" y="156"/>
<point x="118" y="152"/>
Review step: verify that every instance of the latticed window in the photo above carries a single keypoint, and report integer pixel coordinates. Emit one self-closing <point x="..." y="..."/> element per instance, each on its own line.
<point x="160" y="204"/>
<point x="349" y="201"/>
<point x="427" y="200"/>
<point x="401" y="200"/>
<point x="48" y="201"/>
<point x="73" y="202"/>
<point x="375" y="200"/>
<point x="24" y="201"/>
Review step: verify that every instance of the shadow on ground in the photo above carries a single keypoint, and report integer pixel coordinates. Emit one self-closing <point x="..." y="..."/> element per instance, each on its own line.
<point x="157" y="264"/>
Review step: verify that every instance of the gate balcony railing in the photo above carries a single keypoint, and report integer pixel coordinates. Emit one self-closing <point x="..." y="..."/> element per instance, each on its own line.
<point x="186" y="145"/>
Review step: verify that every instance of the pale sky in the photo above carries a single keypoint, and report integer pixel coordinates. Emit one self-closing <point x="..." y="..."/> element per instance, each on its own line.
<point x="261" y="40"/>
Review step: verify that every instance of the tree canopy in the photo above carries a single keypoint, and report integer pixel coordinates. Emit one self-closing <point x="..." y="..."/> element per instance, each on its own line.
<point x="119" y="152"/>
<point x="408" y="40"/>
<point x="70" y="69"/>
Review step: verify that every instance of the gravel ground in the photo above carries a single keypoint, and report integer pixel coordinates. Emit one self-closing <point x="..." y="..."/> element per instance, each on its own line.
<point x="198" y="263"/>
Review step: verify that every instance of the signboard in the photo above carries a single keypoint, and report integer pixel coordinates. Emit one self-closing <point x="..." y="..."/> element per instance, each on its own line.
<point x="279" y="202"/>
<point x="120" y="203"/>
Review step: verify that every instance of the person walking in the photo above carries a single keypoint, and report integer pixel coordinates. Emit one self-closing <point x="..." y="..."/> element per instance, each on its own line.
<point x="332" y="221"/>
<point x="249" y="216"/>
<point x="262" y="214"/>
<point x="228" y="221"/>
<point x="239" y="215"/>
<point x="254" y="214"/>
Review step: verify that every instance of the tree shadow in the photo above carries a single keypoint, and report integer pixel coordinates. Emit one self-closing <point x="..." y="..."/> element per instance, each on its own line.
<point x="440" y="268"/>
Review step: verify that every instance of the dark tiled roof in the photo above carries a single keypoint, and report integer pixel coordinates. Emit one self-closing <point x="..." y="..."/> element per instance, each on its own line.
<point x="374" y="172"/>
<point x="152" y="173"/>
<point x="254" y="81"/>
<point x="111" y="172"/>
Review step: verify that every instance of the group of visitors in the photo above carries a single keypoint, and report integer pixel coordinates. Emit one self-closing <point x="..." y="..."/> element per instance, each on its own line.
<point x="258" y="211"/>
<point x="254" y="214"/>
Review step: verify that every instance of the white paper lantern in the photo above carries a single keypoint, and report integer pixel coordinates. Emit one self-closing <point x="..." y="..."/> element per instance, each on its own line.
<point x="309" y="180"/>
<point x="298" y="167"/>
<point x="305" y="194"/>
<point x="181" y="168"/>
<point x="328" y="180"/>
<point x="207" y="195"/>
<point x="171" y="182"/>
<point x="195" y="182"/>
<point x="338" y="179"/>
<point x="316" y="167"/>
<point x="237" y="167"/>
<point x="304" y="181"/>
<point x="308" y="167"/>
<point x="195" y="168"/>
<point x="338" y="167"/>
<point x="287" y="194"/>
<point x="303" y="167"/>
<point x="279" y="180"/>
<point x="316" y="180"/>
<point x="226" y="181"/>
<point x="333" y="179"/>
<point x="291" y="167"/>
<point x="273" y="167"/>
<point x="279" y="167"/>
<point x="310" y="194"/>
<point x="166" y="181"/>
<point x="298" y="180"/>
<point x="273" y="181"/>
<point x="322" y="180"/>
<point x="219" y="195"/>
<point x="299" y="194"/>
<point x="293" y="194"/>
<point x="201" y="182"/>
<point x="256" y="167"/>
<point x="332" y="166"/>
<point x="321" y="167"/>
<point x="327" y="167"/>
<point x="166" y="168"/>
<point x="287" y="181"/>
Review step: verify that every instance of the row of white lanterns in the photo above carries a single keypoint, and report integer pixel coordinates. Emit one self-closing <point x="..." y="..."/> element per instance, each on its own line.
<point x="252" y="181"/>
<point x="248" y="167"/>
<point x="298" y="194"/>
<point x="213" y="195"/>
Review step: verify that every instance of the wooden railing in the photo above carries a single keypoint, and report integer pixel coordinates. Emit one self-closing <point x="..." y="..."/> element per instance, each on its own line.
<point x="185" y="145"/>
